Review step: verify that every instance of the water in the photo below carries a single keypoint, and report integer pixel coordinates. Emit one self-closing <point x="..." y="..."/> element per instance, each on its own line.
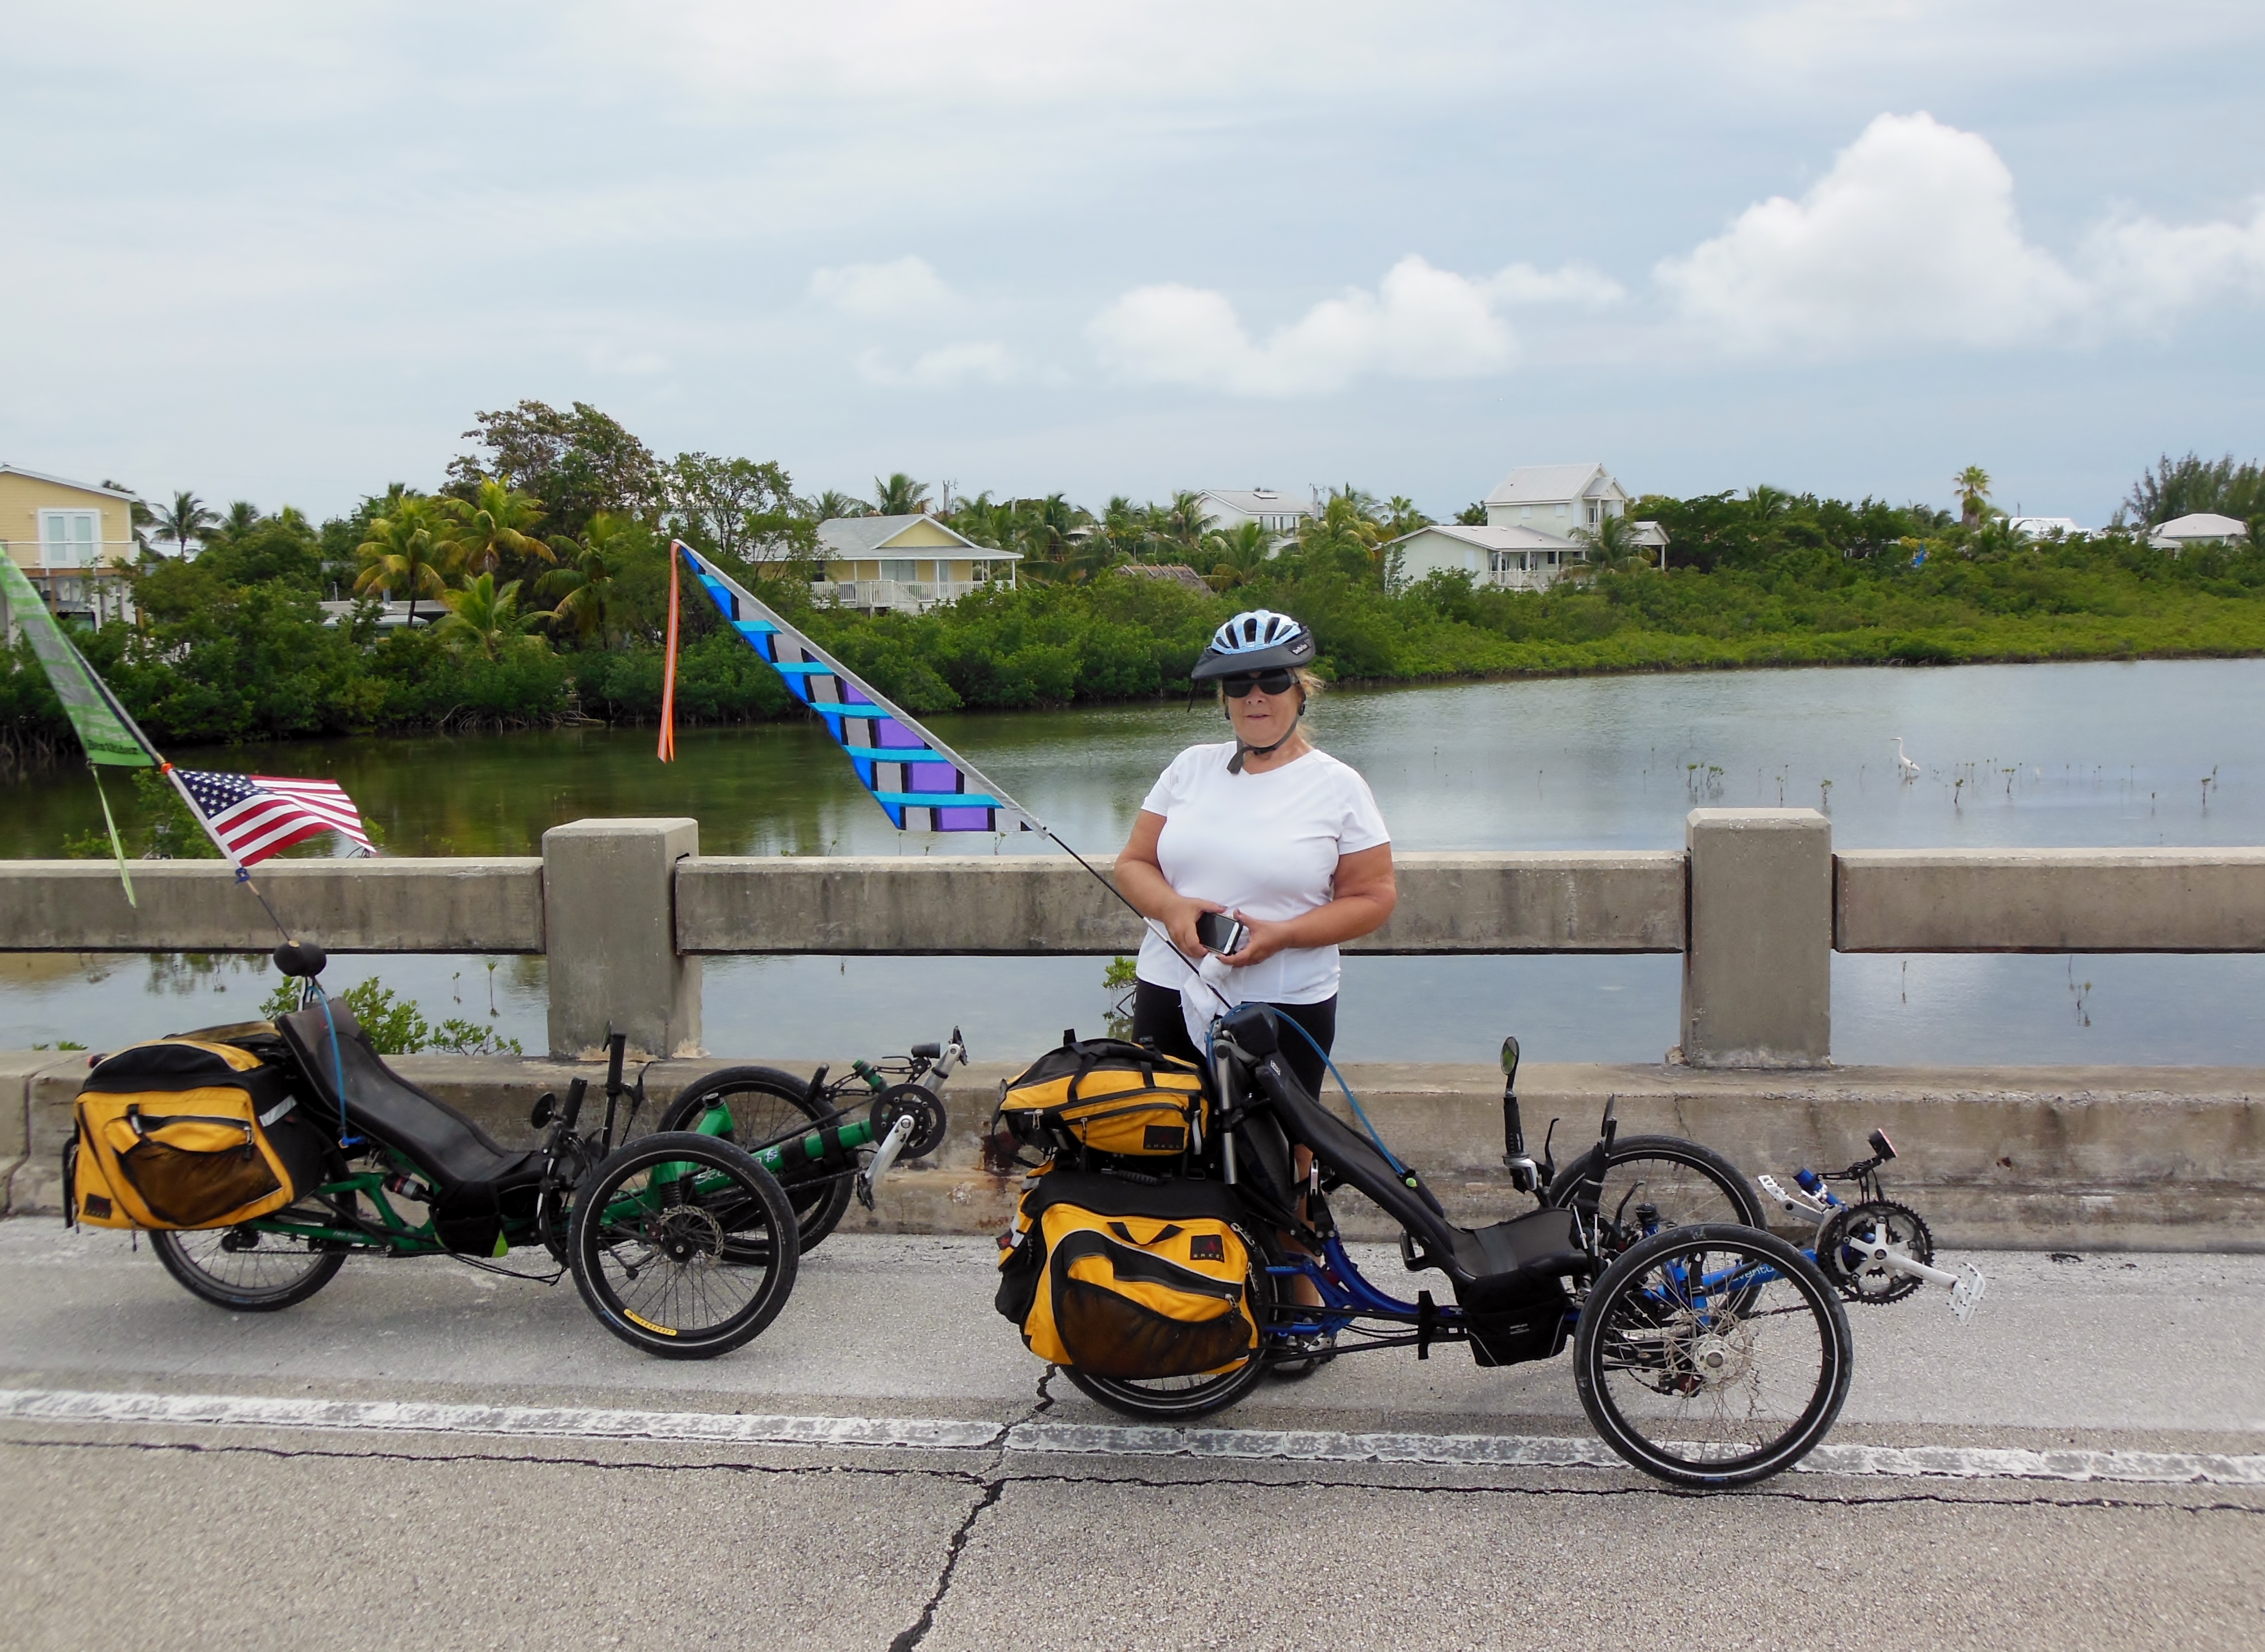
<point x="2108" y="755"/>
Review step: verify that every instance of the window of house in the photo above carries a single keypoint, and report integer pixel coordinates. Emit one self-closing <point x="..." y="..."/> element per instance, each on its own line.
<point x="1525" y="513"/>
<point x="899" y="569"/>
<point x="1593" y="512"/>
<point x="68" y="538"/>
<point x="1564" y="510"/>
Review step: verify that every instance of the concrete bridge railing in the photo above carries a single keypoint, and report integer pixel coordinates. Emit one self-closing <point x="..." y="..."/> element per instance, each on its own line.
<point x="625" y="909"/>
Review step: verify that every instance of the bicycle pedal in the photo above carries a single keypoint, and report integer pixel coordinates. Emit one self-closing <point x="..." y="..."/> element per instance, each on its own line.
<point x="1966" y="1295"/>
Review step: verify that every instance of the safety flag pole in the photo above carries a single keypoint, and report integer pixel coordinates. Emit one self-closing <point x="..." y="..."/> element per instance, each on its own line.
<point x="668" y="669"/>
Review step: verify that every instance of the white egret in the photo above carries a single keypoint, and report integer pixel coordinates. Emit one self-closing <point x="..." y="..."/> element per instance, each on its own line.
<point x="1904" y="766"/>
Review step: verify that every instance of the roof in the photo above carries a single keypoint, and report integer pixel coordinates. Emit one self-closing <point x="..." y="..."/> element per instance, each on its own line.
<point x="64" y="482"/>
<point x="863" y="536"/>
<point x="1177" y="572"/>
<point x="2203" y="525"/>
<point x="1515" y="538"/>
<point x="2035" y="525"/>
<point x="1260" y="501"/>
<point x="1552" y="484"/>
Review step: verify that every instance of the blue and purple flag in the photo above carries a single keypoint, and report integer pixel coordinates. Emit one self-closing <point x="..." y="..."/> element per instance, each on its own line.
<point x="920" y="784"/>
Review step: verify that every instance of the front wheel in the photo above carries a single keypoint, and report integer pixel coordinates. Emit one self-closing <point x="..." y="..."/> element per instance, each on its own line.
<point x="250" y="1270"/>
<point x="1713" y="1356"/>
<point x="683" y="1245"/>
<point x="763" y="1105"/>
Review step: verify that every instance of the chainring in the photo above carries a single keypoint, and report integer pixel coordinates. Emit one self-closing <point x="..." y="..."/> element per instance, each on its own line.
<point x="1870" y="1284"/>
<point x="900" y="1101"/>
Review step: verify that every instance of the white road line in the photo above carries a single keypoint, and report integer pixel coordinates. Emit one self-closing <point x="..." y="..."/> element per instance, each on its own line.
<point x="1082" y="1439"/>
<point x="31" y="1405"/>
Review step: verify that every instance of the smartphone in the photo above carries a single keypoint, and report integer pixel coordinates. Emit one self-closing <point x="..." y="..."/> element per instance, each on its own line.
<point x="1221" y="932"/>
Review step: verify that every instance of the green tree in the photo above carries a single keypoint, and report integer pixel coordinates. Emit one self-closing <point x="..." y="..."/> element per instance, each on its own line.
<point x="737" y="508"/>
<point x="1472" y="516"/>
<point x="1612" y="548"/>
<point x="485" y="618"/>
<point x="408" y="551"/>
<point x="830" y="505"/>
<point x="1237" y="554"/>
<point x="1401" y="517"/>
<point x="1973" y="487"/>
<point x="1179" y="529"/>
<point x="899" y="496"/>
<point x="495" y="525"/>
<point x="1345" y="537"/>
<point x="2180" y="487"/>
<point x="577" y="462"/>
<point x="183" y="523"/>
<point x="587" y="583"/>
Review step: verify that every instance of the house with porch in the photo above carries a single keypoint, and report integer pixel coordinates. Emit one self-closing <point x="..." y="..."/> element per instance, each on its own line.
<point x="910" y="562"/>
<point x="1527" y="542"/>
<point x="73" y="539"/>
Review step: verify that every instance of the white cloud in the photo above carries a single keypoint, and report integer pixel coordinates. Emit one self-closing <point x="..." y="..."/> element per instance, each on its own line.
<point x="979" y="361"/>
<point x="1421" y="322"/>
<point x="1912" y="240"/>
<point x="902" y="288"/>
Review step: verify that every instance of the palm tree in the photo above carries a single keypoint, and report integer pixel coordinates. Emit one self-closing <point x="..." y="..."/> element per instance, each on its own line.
<point x="1612" y="546"/>
<point x="1973" y="486"/>
<point x="1344" y="534"/>
<point x="484" y="617"/>
<point x="1182" y="524"/>
<point x="588" y="595"/>
<point x="408" y="549"/>
<point x="1401" y="517"/>
<point x="1236" y="553"/>
<point x="494" y="520"/>
<point x="831" y="505"/>
<point x="242" y="518"/>
<point x="188" y="519"/>
<point x="899" y="496"/>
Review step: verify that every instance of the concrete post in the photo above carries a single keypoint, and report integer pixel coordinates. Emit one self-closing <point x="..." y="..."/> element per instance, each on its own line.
<point x="1758" y="963"/>
<point x="609" y="929"/>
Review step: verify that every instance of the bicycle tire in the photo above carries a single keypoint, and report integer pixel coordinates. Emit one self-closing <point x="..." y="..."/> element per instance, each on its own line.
<point x="818" y="1207"/>
<point x="688" y="1264"/>
<point x="1658" y="1362"/>
<point x="1182" y="1399"/>
<point x="246" y="1270"/>
<point x="1690" y="1184"/>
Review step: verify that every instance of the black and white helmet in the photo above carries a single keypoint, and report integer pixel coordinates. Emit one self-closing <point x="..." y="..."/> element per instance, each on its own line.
<point x="1257" y="640"/>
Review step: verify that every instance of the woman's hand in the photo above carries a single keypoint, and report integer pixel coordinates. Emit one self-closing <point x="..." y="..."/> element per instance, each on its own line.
<point x="1266" y="938"/>
<point x="1180" y="922"/>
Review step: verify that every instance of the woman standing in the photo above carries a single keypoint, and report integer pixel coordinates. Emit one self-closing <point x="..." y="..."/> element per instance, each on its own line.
<point x="1269" y="830"/>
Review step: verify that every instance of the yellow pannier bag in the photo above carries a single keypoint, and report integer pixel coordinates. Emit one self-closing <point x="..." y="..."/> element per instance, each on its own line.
<point x="180" y="1134"/>
<point x="1106" y="1095"/>
<point x="1118" y="1279"/>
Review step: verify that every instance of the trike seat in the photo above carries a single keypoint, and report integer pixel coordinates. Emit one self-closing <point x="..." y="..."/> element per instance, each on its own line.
<point x="1540" y="1244"/>
<point x="476" y="1177"/>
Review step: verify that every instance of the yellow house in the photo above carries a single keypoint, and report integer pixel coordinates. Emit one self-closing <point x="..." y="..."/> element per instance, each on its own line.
<point x="73" y="540"/>
<point x="905" y="561"/>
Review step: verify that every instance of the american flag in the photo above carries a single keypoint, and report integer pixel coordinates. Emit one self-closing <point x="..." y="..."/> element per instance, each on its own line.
<point x="255" y="815"/>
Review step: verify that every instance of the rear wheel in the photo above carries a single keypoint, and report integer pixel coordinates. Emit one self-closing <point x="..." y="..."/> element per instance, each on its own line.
<point x="681" y="1245"/>
<point x="1712" y="1355"/>
<point x="1181" y="1398"/>
<point x="247" y="1270"/>
<point x="766" y="1106"/>
<point x="1655" y="1182"/>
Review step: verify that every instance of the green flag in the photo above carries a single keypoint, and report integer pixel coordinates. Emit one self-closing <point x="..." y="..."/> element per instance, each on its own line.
<point x="105" y="727"/>
<point x="105" y="732"/>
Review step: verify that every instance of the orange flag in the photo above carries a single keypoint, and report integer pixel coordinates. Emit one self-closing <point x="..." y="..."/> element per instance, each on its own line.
<point x="668" y="672"/>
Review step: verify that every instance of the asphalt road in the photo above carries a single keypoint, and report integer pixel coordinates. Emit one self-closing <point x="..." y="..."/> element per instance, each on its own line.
<point x="425" y="1455"/>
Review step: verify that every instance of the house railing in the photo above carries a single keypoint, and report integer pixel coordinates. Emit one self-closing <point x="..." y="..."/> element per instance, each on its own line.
<point x="1756" y="903"/>
<point x="914" y="595"/>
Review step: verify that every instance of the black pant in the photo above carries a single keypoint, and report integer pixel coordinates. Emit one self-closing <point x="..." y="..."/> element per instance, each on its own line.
<point x="1156" y="1016"/>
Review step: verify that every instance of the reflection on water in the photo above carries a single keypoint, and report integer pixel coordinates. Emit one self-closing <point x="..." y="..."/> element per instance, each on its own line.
<point x="2105" y="754"/>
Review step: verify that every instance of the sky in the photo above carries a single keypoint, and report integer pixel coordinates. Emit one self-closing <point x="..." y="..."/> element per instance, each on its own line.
<point x="286" y="253"/>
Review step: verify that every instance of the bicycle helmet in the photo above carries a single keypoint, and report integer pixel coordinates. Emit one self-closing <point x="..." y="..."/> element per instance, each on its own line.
<point x="1257" y="640"/>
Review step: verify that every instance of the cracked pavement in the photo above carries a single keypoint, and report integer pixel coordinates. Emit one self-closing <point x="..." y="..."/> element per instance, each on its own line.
<point x="458" y="1527"/>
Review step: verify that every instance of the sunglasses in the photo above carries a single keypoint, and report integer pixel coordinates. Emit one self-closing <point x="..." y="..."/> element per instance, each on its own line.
<point x="1267" y="682"/>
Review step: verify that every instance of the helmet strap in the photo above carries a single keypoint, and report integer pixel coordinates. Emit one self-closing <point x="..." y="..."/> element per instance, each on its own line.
<point x="1241" y="751"/>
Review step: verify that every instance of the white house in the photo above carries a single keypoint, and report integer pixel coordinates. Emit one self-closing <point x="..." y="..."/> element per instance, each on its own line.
<point x="2046" y="526"/>
<point x="2203" y="528"/>
<point x="1527" y="542"/>
<point x="905" y="561"/>
<point x="1281" y="514"/>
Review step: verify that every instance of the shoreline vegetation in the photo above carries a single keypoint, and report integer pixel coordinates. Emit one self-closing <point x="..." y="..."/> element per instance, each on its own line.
<point x="545" y="551"/>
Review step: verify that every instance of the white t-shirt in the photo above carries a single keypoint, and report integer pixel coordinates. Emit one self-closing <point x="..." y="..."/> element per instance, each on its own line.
<point x="1265" y="845"/>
